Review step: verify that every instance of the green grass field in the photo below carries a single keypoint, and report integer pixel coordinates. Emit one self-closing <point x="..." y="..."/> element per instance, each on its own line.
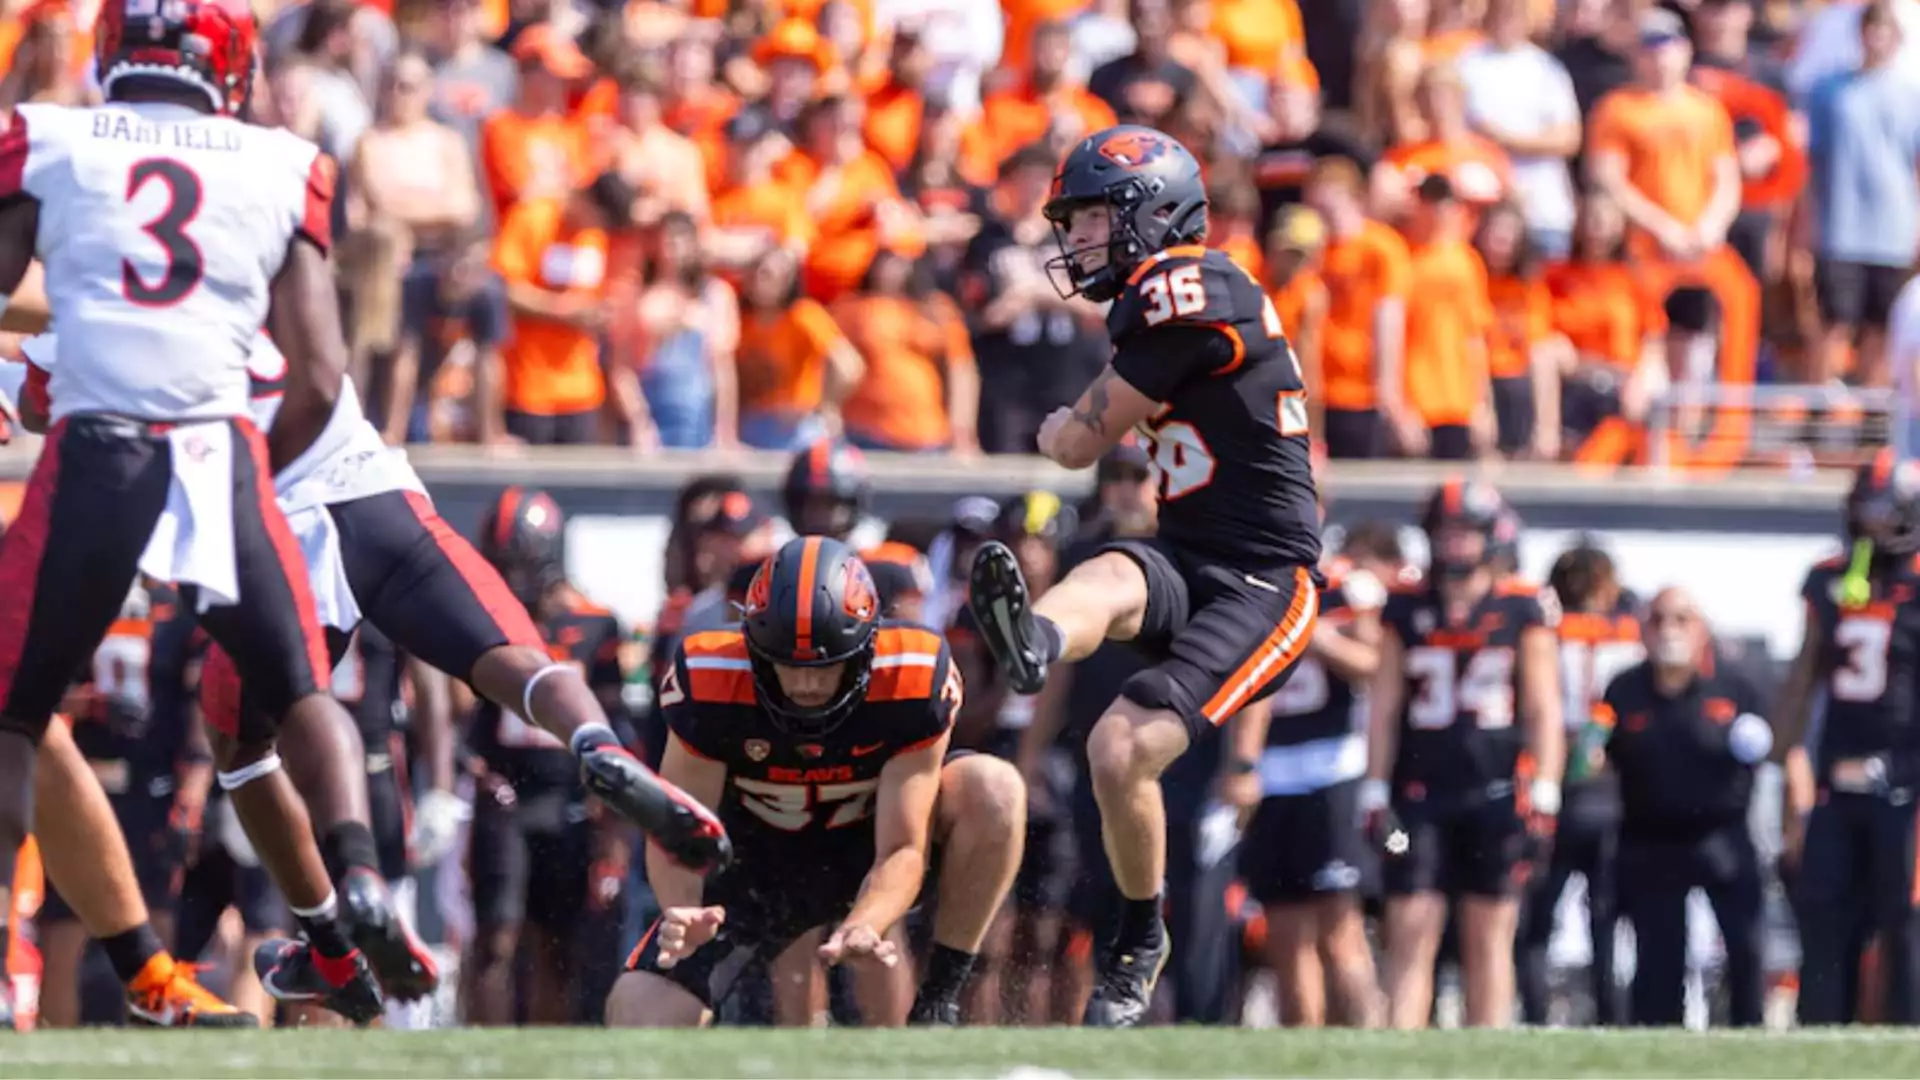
<point x="978" y="1052"/>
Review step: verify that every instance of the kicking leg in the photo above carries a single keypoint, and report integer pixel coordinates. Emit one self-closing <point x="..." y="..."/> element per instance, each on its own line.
<point x="980" y="825"/>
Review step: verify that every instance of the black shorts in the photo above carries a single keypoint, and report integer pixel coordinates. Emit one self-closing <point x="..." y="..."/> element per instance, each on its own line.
<point x="1513" y="410"/>
<point x="215" y="883"/>
<point x="1857" y="294"/>
<point x="68" y="560"/>
<point x="1471" y="847"/>
<point x="529" y="861"/>
<point x="771" y="900"/>
<point x="144" y="812"/>
<point x="1450" y="442"/>
<point x="1692" y="309"/>
<point x="1351" y="433"/>
<point x="565" y="429"/>
<point x="1219" y="639"/>
<point x="1303" y="847"/>
<point x="416" y="579"/>
<point x="388" y="803"/>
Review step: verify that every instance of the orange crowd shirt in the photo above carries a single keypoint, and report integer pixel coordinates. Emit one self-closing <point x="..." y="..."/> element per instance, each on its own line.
<point x="1359" y="271"/>
<point x="1266" y="36"/>
<point x="1480" y="171"/>
<point x="892" y="129"/>
<point x="1599" y="308"/>
<point x="782" y="360"/>
<point x="536" y="157"/>
<point x="1522" y="319"/>
<point x="551" y="368"/>
<point x="902" y="399"/>
<point x="1447" y="312"/>
<point x="848" y="232"/>
<point x="1011" y="120"/>
<point x="1670" y="143"/>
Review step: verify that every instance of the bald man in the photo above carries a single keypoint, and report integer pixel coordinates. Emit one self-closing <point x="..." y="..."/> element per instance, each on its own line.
<point x="1687" y="736"/>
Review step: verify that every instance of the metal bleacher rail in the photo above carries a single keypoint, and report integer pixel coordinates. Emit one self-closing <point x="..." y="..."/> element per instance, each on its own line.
<point x="1796" y="428"/>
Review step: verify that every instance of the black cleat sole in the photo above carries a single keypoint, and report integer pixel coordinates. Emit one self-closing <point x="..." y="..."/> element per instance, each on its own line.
<point x="997" y="595"/>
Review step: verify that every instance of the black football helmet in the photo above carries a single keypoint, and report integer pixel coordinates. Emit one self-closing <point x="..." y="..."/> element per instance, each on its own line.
<point x="812" y="604"/>
<point x="524" y="536"/>
<point x="1460" y="508"/>
<point x="826" y="490"/>
<point x="1152" y="188"/>
<point x="1884" y="505"/>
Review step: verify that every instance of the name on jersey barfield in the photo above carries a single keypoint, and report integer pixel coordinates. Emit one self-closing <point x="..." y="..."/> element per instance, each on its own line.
<point x="122" y="128"/>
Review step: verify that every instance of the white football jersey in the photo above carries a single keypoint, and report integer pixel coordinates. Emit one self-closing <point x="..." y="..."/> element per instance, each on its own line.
<point x="161" y="231"/>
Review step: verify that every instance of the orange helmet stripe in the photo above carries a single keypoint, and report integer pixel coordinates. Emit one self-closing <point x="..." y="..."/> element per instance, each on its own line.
<point x="803" y="617"/>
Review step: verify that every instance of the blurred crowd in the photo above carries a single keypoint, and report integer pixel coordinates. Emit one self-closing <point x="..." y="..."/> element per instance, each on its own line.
<point x="718" y="223"/>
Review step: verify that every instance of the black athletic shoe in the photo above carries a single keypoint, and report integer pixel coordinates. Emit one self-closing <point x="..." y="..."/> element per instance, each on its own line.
<point x="399" y="960"/>
<point x="291" y="971"/>
<point x="1126" y="980"/>
<point x="1002" y="608"/>
<point x="671" y="818"/>
<point x="935" y="1012"/>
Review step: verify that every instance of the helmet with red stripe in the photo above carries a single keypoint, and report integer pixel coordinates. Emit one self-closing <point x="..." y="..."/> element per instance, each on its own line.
<point x="207" y="45"/>
<point x="826" y="489"/>
<point x="1468" y="525"/>
<point x="810" y="618"/>
<point x="524" y="536"/>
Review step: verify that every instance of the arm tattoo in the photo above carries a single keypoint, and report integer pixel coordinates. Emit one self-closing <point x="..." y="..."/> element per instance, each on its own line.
<point x="1094" y="416"/>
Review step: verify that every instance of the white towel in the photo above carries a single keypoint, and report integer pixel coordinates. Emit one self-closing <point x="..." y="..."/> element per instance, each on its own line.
<point x="192" y="543"/>
<point x="319" y="542"/>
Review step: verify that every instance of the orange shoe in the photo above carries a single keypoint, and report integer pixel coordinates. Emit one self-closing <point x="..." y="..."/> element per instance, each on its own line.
<point x="166" y="994"/>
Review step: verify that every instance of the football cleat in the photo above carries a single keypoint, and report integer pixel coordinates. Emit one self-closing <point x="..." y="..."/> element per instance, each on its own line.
<point x="166" y="994"/>
<point x="934" y="1012"/>
<point x="292" y="971"/>
<point x="399" y="960"/>
<point x="1127" y="979"/>
<point x="1000" y="602"/>
<point x="684" y="829"/>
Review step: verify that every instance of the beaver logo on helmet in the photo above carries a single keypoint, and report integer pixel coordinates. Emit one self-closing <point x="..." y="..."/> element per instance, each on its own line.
<point x="759" y="591"/>
<point x="859" y="598"/>
<point x="1129" y="147"/>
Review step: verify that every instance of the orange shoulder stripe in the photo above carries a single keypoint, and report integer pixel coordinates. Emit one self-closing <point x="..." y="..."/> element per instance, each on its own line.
<point x="718" y="669"/>
<point x="905" y="661"/>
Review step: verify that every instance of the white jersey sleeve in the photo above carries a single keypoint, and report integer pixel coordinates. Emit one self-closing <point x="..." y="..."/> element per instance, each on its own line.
<point x="161" y="230"/>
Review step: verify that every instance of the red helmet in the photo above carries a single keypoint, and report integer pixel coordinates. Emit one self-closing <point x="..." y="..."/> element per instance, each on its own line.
<point x="205" y="44"/>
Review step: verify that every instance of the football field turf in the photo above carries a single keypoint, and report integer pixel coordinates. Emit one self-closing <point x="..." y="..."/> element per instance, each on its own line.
<point x="978" y="1052"/>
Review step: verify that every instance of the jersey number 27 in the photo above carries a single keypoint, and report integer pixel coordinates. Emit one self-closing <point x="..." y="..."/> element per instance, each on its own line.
<point x="185" y="266"/>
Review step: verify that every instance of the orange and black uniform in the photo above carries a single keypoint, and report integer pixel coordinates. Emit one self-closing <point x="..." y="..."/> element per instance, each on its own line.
<point x="135" y="737"/>
<point x="530" y="854"/>
<point x="799" y="809"/>
<point x="1460" y="738"/>
<point x="1594" y="647"/>
<point x="1684" y="798"/>
<point x="1857" y="877"/>
<point x="1230" y="585"/>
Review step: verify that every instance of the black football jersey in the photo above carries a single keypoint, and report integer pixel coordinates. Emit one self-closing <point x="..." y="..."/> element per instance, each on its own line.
<point x="525" y="754"/>
<point x="1869" y="660"/>
<point x="1193" y="331"/>
<point x="1315" y="703"/>
<point x="139" y="678"/>
<point x="807" y="801"/>
<point x="1458" y="730"/>
<point x="368" y="680"/>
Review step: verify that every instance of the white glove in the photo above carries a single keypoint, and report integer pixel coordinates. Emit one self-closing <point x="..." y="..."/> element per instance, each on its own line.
<point x="436" y="825"/>
<point x="1544" y="797"/>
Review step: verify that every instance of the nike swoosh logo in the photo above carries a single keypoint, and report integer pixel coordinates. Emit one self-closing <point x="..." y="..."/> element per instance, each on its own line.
<point x="1260" y="584"/>
<point x="863" y="751"/>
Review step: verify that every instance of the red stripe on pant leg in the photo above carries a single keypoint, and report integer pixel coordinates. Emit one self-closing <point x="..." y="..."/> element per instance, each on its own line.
<point x="287" y="550"/>
<point x="220" y="692"/>
<point x="482" y="579"/>
<point x="20" y="557"/>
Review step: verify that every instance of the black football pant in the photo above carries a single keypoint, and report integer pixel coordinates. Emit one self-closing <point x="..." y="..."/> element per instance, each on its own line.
<point x="1587" y="844"/>
<point x="1855" y="886"/>
<point x="1656" y="874"/>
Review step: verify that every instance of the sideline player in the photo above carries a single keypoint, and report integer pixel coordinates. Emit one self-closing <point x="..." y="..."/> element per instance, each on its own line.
<point x="1224" y="597"/>
<point x="1849" y="816"/>
<point x="1463" y="656"/>
<point x="170" y="232"/>
<point x="532" y="843"/>
<point x="1303" y="856"/>
<point x="820" y="732"/>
